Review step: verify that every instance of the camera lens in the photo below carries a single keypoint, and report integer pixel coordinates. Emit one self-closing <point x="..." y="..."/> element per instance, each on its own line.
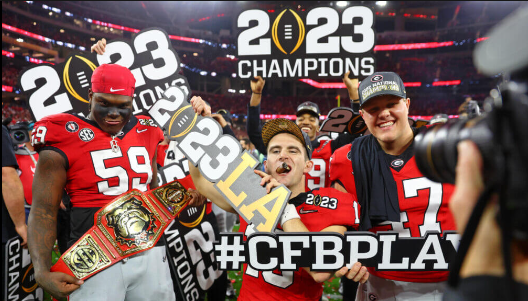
<point x="436" y="148"/>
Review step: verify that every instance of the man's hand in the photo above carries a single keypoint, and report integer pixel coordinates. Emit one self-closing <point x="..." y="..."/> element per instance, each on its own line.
<point x="99" y="47"/>
<point x="257" y="84"/>
<point x="200" y="107"/>
<point x="59" y="285"/>
<point x="22" y="231"/>
<point x="220" y="119"/>
<point x="357" y="273"/>
<point x="197" y="199"/>
<point x="352" y="86"/>
<point x="468" y="183"/>
<point x="271" y="182"/>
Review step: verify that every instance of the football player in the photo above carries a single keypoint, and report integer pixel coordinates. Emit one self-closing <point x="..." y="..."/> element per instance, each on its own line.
<point x="380" y="170"/>
<point x="289" y="154"/>
<point x="96" y="159"/>
<point x="308" y="115"/>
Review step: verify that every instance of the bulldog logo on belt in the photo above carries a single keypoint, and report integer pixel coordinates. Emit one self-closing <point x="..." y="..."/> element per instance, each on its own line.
<point x="132" y="223"/>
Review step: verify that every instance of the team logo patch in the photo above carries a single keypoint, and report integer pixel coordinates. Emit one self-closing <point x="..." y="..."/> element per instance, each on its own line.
<point x="86" y="134"/>
<point x="376" y="78"/>
<point x="372" y="297"/>
<point x="349" y="156"/>
<point x="72" y="126"/>
<point x="397" y="163"/>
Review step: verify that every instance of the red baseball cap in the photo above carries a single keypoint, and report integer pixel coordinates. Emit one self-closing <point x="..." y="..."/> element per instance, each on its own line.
<point x="113" y="79"/>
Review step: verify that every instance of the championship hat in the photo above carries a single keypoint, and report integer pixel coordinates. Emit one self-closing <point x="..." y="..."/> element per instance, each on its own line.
<point x="281" y="125"/>
<point x="381" y="83"/>
<point x="308" y="107"/>
<point x="113" y="79"/>
<point x="226" y="115"/>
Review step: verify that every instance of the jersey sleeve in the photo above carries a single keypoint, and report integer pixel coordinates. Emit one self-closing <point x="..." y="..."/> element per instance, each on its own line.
<point x="341" y="169"/>
<point x="329" y="207"/>
<point x="50" y="133"/>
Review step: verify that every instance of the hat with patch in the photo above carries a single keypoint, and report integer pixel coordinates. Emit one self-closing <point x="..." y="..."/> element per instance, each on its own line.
<point x="113" y="79"/>
<point x="226" y="115"/>
<point x="281" y="125"/>
<point x="381" y="83"/>
<point x="308" y="107"/>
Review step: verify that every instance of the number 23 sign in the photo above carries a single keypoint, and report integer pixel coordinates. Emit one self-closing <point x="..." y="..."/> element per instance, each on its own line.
<point x="63" y="88"/>
<point x="324" y="42"/>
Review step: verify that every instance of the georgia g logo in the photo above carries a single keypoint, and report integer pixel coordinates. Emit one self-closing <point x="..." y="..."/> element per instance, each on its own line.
<point x="376" y="78"/>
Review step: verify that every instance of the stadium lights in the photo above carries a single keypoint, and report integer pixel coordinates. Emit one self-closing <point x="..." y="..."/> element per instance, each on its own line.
<point x="242" y="91"/>
<point x="213" y="73"/>
<point x="341" y="3"/>
<point x="203" y="73"/>
<point x="381" y="3"/>
<point x="231" y="90"/>
<point x="233" y="75"/>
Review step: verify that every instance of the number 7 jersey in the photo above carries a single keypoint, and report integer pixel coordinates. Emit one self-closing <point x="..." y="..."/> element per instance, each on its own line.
<point x="96" y="171"/>
<point x="423" y="207"/>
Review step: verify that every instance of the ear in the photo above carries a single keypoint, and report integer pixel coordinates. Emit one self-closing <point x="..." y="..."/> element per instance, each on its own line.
<point x="308" y="166"/>
<point x="408" y="100"/>
<point x="266" y="166"/>
<point x="90" y="96"/>
<point x="361" y="113"/>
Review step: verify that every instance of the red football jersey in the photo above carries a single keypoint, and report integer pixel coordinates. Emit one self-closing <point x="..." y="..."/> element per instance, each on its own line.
<point x="424" y="206"/>
<point x="322" y="208"/>
<point x="27" y="171"/>
<point x="318" y="176"/>
<point x="97" y="173"/>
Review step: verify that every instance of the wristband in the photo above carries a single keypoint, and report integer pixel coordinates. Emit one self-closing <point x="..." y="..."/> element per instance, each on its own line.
<point x="289" y="212"/>
<point x="256" y="93"/>
<point x="132" y="223"/>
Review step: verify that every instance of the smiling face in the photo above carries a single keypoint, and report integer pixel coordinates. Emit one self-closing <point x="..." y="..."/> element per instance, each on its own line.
<point x="386" y="117"/>
<point x="110" y="111"/>
<point x="309" y="124"/>
<point x="286" y="148"/>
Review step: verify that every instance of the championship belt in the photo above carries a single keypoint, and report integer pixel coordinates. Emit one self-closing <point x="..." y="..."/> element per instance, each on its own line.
<point x="130" y="224"/>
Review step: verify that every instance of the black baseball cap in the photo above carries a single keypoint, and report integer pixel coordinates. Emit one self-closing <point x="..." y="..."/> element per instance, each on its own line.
<point x="381" y="83"/>
<point x="308" y="107"/>
<point x="225" y="113"/>
<point x="282" y="125"/>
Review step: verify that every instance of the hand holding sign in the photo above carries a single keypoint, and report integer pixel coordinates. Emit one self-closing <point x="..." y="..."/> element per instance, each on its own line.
<point x="63" y="88"/>
<point x="219" y="158"/>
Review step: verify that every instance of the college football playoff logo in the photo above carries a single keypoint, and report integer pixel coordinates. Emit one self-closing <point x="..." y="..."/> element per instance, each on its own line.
<point x="72" y="126"/>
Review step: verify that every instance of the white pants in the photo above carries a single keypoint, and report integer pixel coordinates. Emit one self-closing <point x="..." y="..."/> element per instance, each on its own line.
<point x="380" y="289"/>
<point x="141" y="277"/>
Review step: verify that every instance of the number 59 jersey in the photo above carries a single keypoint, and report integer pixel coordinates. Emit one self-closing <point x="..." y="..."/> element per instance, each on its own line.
<point x="96" y="171"/>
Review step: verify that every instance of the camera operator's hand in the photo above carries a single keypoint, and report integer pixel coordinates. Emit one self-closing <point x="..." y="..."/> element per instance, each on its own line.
<point x="469" y="183"/>
<point x="485" y="246"/>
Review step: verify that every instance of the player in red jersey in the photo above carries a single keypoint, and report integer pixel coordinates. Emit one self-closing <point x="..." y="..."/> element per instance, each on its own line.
<point x="287" y="143"/>
<point x="308" y="115"/>
<point x="380" y="169"/>
<point x="96" y="159"/>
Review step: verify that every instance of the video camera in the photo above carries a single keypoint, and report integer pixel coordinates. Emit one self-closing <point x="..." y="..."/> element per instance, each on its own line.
<point x="19" y="133"/>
